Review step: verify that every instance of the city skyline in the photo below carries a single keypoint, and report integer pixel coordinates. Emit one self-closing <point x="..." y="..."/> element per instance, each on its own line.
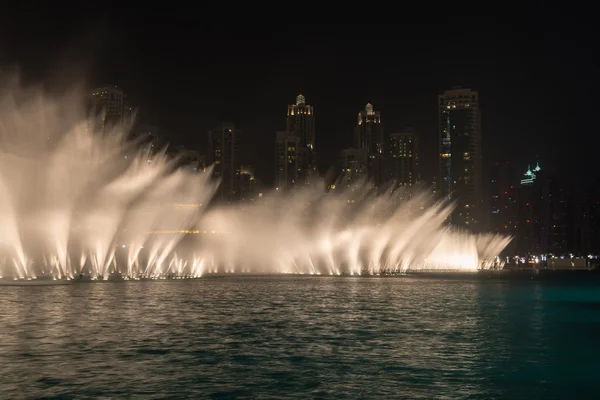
<point x="369" y="141"/>
<point x="239" y="209"/>
<point x="510" y="206"/>
<point x="250" y="81"/>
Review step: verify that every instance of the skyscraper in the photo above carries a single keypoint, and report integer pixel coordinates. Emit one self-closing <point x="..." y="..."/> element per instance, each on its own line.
<point x="368" y="136"/>
<point x="223" y="153"/>
<point x="110" y="102"/>
<point x="404" y="158"/>
<point x="504" y="199"/>
<point x="287" y="159"/>
<point x="353" y="165"/>
<point x="301" y="123"/>
<point x="460" y="155"/>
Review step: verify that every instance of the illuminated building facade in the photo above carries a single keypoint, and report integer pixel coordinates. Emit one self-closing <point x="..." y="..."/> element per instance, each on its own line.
<point x="300" y="122"/>
<point x="404" y="158"/>
<point x="594" y="223"/>
<point x="110" y="102"/>
<point x="554" y="216"/>
<point x="533" y="211"/>
<point x="368" y="136"/>
<point x="530" y="175"/>
<point x="223" y="154"/>
<point x="288" y="167"/>
<point x="503" y="199"/>
<point x="562" y="222"/>
<point x="460" y="166"/>
<point x="353" y="166"/>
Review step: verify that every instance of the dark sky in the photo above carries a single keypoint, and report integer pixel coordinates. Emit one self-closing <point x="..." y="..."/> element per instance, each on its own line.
<point x="535" y="76"/>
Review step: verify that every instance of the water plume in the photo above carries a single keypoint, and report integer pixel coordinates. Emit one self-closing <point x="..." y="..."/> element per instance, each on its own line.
<point x="73" y="190"/>
<point x="353" y="230"/>
<point x="79" y="199"/>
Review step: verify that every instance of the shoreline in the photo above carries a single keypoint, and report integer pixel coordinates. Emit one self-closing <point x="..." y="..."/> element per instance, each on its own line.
<point x="503" y="274"/>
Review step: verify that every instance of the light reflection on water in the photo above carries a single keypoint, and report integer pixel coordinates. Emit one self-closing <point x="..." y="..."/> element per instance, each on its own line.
<point x="289" y="337"/>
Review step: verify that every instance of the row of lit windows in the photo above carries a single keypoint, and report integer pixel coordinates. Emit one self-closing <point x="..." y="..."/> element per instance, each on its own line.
<point x="460" y="97"/>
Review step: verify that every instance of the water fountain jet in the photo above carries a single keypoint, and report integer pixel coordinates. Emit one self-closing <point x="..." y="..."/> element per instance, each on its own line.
<point x="78" y="198"/>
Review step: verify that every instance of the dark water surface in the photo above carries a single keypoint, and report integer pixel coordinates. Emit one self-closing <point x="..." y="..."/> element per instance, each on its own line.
<point x="291" y="337"/>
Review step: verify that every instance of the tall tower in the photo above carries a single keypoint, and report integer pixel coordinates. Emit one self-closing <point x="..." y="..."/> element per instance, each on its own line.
<point x="353" y="165"/>
<point x="504" y="198"/>
<point x="460" y="155"/>
<point x="301" y="123"/>
<point x="111" y="103"/>
<point x="287" y="159"/>
<point x="223" y="154"/>
<point x="368" y="136"/>
<point x="404" y="158"/>
<point x="534" y="209"/>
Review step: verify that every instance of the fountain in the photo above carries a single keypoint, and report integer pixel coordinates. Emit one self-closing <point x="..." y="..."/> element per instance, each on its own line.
<point x="353" y="231"/>
<point x="80" y="200"/>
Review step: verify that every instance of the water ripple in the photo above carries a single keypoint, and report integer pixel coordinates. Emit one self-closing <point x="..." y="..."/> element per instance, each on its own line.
<point x="299" y="338"/>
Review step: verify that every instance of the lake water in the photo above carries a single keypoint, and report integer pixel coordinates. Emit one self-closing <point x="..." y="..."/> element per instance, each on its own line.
<point x="301" y="337"/>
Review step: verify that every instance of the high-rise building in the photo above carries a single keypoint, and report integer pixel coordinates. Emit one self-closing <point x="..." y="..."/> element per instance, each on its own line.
<point x="404" y="158"/>
<point x="504" y="199"/>
<point x="110" y="102"/>
<point x="301" y="123"/>
<point x="530" y="175"/>
<point x="561" y="223"/>
<point x="223" y="154"/>
<point x="368" y="135"/>
<point x="353" y="166"/>
<point x="594" y="224"/>
<point x="460" y="155"/>
<point x="288" y="167"/>
<point x="582" y="229"/>
<point x="554" y="216"/>
<point x="249" y="185"/>
<point x="369" y="132"/>
<point x="533" y="211"/>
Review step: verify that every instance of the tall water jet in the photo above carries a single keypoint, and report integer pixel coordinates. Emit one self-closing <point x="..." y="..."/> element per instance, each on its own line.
<point x="71" y="189"/>
<point x="355" y="230"/>
<point x="78" y="198"/>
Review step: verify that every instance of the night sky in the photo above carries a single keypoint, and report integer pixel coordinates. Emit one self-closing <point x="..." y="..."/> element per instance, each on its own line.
<point x="535" y="76"/>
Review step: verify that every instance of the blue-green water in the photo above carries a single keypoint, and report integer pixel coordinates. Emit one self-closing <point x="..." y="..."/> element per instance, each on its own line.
<point x="294" y="337"/>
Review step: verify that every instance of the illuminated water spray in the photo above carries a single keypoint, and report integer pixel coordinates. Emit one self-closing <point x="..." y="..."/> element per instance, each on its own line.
<point x="80" y="201"/>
